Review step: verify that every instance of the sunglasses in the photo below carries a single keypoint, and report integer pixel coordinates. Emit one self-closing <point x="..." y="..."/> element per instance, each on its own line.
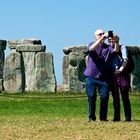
<point x="101" y="34"/>
<point x="110" y="39"/>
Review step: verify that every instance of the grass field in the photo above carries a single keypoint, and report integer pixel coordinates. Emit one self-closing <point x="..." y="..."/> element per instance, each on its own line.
<point x="62" y="117"/>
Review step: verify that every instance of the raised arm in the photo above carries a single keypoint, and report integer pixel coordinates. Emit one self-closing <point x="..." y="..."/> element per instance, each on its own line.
<point x="100" y="38"/>
<point x="116" y="44"/>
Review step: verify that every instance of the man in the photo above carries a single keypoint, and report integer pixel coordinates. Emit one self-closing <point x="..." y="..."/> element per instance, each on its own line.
<point x="97" y="73"/>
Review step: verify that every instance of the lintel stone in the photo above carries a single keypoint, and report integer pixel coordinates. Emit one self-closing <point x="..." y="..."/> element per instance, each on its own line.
<point x="30" y="48"/>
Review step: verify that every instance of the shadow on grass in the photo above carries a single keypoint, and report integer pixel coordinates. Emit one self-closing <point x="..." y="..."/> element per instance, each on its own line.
<point x="135" y="120"/>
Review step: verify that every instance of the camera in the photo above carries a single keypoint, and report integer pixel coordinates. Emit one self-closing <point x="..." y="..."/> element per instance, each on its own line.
<point x="110" y="33"/>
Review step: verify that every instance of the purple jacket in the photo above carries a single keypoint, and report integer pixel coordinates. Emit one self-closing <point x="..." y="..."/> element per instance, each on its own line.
<point x="98" y="62"/>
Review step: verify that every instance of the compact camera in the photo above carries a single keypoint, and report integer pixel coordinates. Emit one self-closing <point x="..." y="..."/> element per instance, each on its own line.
<point x="110" y="33"/>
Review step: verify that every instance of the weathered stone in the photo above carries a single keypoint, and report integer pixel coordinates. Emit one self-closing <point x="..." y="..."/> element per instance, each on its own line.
<point x="134" y="49"/>
<point x="65" y="69"/>
<point x="1" y="85"/>
<point x="79" y="49"/>
<point x="1" y="72"/>
<point x="44" y="73"/>
<point x="75" y="58"/>
<point x="61" y="88"/>
<point x="74" y="83"/>
<point x="73" y="67"/>
<point x="30" y="48"/>
<point x="75" y="63"/>
<point x="12" y="73"/>
<point x="29" y="69"/>
<point x="2" y="56"/>
<point x="135" y="75"/>
<point x="3" y="44"/>
<point x="13" y="51"/>
<point x="81" y="68"/>
<point x="14" y="43"/>
<point x="37" y="66"/>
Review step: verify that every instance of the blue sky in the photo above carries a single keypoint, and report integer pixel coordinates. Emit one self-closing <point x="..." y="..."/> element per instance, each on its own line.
<point x="64" y="23"/>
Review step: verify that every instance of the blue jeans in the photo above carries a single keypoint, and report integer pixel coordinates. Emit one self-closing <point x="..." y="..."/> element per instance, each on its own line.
<point x="91" y="86"/>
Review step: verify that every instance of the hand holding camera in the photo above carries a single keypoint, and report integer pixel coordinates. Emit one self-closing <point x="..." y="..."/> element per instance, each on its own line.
<point x="109" y="34"/>
<point x="116" y="39"/>
<point x="113" y="36"/>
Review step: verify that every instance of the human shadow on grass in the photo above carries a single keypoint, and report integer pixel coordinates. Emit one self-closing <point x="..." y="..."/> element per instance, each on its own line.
<point x="136" y="120"/>
<point x="133" y="120"/>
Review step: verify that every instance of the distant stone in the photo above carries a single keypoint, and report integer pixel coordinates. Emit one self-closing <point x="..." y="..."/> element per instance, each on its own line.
<point x="30" y="48"/>
<point x="80" y="49"/>
<point x="30" y="41"/>
<point x="2" y="57"/>
<point x="74" y="63"/>
<point x="12" y="73"/>
<point x="75" y="57"/>
<point x="65" y="69"/>
<point x="45" y="79"/>
<point x="1" y="85"/>
<point x="3" y="44"/>
<point x="29" y="67"/>
<point x="14" y="43"/>
<point x="135" y="75"/>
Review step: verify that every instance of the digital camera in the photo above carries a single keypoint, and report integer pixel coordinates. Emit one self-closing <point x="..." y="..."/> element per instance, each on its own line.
<point x="110" y="33"/>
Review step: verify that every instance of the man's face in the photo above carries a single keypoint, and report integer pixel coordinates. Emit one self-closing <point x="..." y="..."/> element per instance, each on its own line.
<point x="99" y="35"/>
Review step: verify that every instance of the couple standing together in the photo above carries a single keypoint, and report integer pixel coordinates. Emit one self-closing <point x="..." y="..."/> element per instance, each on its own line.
<point x="105" y="71"/>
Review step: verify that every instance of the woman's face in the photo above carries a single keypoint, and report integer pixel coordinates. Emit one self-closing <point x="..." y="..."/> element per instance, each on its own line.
<point x="111" y="41"/>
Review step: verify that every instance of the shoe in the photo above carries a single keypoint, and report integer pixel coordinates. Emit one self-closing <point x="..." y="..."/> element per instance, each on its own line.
<point x="128" y="120"/>
<point x="104" y="120"/>
<point x="116" y="120"/>
<point x="91" y="119"/>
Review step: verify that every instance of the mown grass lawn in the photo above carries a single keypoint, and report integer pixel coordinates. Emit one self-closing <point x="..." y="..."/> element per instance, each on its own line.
<point x="62" y="117"/>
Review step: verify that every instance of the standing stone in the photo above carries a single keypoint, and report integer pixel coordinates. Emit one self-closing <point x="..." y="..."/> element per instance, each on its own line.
<point x="73" y="67"/>
<point x="2" y="57"/>
<point x="35" y="65"/>
<point x="74" y="84"/>
<point x="65" y="69"/>
<point x="1" y="85"/>
<point x="1" y="63"/>
<point x="44" y="72"/>
<point x="135" y="75"/>
<point x="74" y="64"/>
<point x="29" y="70"/>
<point x="13" y="73"/>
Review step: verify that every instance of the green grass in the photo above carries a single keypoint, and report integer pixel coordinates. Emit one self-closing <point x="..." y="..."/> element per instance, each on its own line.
<point x="56" y="105"/>
<point x="50" y="105"/>
<point x="55" y="116"/>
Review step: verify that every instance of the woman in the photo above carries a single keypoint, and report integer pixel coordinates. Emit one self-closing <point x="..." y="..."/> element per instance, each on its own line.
<point x="120" y="82"/>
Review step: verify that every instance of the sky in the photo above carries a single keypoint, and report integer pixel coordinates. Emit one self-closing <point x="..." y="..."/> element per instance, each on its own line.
<point x="65" y="23"/>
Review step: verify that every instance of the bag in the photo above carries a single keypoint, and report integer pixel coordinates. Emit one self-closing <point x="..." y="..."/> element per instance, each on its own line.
<point x="131" y="64"/>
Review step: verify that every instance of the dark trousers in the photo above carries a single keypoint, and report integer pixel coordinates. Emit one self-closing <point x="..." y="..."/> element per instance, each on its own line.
<point x="124" y="91"/>
<point x="91" y="86"/>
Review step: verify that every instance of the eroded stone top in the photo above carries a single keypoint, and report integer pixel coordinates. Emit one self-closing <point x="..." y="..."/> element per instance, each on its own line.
<point x="84" y="49"/>
<point x="27" y="41"/>
<point x="134" y="49"/>
<point x="80" y="49"/>
<point x="27" y="45"/>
